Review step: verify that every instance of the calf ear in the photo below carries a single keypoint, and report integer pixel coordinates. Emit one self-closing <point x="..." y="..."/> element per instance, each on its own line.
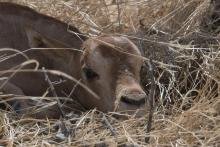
<point x="38" y="40"/>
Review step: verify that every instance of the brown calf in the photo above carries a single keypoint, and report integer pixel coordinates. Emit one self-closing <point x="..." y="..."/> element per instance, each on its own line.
<point x="108" y="65"/>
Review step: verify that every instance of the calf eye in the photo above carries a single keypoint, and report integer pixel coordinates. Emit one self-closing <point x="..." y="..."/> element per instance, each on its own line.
<point x="90" y="74"/>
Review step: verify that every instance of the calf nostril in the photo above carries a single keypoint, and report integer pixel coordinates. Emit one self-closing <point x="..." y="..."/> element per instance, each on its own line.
<point x="134" y="99"/>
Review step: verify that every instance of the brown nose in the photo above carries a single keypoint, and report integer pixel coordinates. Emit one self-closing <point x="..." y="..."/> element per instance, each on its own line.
<point x="134" y="99"/>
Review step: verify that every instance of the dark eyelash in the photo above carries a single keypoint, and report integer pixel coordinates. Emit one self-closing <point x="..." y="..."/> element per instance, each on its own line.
<point x="90" y="74"/>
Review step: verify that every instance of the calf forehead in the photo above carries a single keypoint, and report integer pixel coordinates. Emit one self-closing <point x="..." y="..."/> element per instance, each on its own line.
<point x="118" y="43"/>
<point x="115" y="47"/>
<point x="116" y="52"/>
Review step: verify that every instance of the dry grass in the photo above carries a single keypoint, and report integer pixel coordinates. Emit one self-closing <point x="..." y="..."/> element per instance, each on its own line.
<point x="188" y="105"/>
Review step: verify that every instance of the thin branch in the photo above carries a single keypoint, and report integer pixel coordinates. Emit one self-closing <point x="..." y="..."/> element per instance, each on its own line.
<point x="119" y="14"/>
<point x="62" y="117"/>
<point x="107" y="123"/>
<point x="151" y="98"/>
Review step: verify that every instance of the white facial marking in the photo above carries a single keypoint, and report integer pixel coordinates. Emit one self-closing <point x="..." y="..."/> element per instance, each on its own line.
<point x="118" y="39"/>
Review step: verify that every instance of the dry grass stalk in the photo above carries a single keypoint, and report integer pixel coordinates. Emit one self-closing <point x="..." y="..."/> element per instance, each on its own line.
<point x="187" y="110"/>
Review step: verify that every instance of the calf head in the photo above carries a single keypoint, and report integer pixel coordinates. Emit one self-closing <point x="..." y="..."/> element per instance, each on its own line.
<point x="110" y="66"/>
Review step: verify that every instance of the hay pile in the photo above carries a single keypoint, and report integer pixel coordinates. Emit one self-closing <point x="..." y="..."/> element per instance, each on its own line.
<point x="187" y="109"/>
